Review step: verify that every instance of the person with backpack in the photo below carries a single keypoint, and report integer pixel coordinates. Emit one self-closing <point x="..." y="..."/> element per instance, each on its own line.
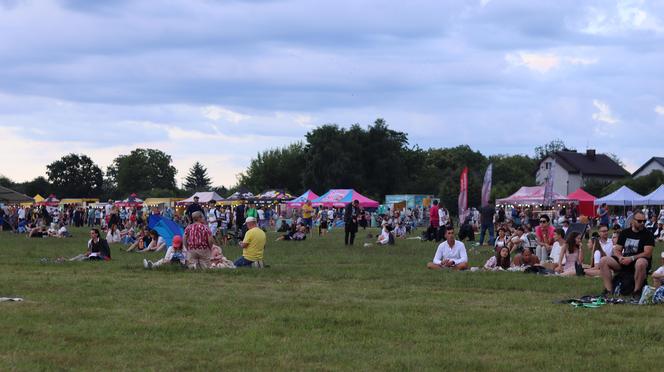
<point x="631" y="259"/>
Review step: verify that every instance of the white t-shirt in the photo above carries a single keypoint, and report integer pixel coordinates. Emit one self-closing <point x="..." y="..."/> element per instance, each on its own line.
<point x="456" y="253"/>
<point x="261" y="214"/>
<point x="607" y="247"/>
<point x="555" y="252"/>
<point x="212" y="217"/>
<point x="384" y="237"/>
<point x="21" y="213"/>
<point x="330" y="214"/>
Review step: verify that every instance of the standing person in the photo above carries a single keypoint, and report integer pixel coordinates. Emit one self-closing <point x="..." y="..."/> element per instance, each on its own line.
<point x="253" y="246"/>
<point x="307" y="215"/>
<point x="631" y="254"/>
<point x="434" y="222"/>
<point x="198" y="242"/>
<point x="451" y="254"/>
<point x="603" y="213"/>
<point x="351" y="213"/>
<point x="193" y="207"/>
<point x="486" y="223"/>
<point x="213" y="216"/>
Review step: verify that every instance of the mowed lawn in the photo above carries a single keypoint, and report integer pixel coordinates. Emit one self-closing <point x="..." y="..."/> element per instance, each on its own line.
<point x="319" y="306"/>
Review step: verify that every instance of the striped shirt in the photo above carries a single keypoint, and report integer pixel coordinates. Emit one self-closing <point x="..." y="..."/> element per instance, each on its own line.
<point x="198" y="236"/>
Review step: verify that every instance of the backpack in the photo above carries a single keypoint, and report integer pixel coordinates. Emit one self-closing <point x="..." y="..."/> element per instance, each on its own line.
<point x="623" y="283"/>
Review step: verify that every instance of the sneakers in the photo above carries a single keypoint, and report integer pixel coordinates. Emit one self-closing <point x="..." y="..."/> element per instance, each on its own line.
<point x="147" y="264"/>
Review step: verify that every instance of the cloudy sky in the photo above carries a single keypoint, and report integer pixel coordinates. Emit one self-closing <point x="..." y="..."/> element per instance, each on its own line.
<point x="220" y="80"/>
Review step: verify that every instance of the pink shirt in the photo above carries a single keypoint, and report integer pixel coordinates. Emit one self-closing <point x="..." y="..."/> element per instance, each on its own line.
<point x="549" y="234"/>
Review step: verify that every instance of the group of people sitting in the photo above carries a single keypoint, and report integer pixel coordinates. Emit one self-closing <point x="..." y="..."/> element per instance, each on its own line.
<point x="623" y="260"/>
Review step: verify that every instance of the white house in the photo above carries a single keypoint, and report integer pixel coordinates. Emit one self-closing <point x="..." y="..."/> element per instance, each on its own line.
<point x="653" y="164"/>
<point x="573" y="169"/>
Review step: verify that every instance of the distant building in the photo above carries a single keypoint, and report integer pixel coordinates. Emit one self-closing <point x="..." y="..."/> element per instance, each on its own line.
<point x="653" y="164"/>
<point x="573" y="169"/>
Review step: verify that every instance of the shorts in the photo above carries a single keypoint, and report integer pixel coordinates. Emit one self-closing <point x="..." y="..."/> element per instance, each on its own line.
<point x="631" y="266"/>
<point x="323" y="225"/>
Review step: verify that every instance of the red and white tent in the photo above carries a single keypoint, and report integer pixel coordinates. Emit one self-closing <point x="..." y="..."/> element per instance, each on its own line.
<point x="532" y="195"/>
<point x="132" y="202"/>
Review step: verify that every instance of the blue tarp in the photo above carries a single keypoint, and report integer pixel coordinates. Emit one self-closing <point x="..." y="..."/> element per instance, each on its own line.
<point x="166" y="228"/>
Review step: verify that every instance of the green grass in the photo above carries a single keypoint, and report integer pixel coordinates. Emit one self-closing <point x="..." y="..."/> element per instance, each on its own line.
<point x="320" y="306"/>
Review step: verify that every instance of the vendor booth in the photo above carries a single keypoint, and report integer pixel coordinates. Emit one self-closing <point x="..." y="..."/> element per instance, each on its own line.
<point x="273" y="196"/>
<point x="586" y="202"/>
<point x="9" y="196"/>
<point x="654" y="198"/>
<point x="131" y="202"/>
<point x="300" y="200"/>
<point x="51" y="201"/>
<point x="534" y="196"/>
<point x="204" y="197"/>
<point x="624" y="196"/>
<point x="339" y="198"/>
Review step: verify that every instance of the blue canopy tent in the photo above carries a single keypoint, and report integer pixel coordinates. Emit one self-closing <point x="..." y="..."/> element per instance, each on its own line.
<point x="166" y="228"/>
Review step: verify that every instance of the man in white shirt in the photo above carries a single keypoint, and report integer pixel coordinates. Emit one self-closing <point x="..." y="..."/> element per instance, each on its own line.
<point x="450" y="254"/>
<point x="21" y="214"/>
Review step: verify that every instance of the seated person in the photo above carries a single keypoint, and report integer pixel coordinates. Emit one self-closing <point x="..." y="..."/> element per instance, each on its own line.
<point x="658" y="275"/>
<point x="526" y="258"/>
<point x="502" y="240"/>
<point x="500" y="261"/>
<point x="631" y="254"/>
<point x="296" y="232"/>
<point x="218" y="260"/>
<point x="466" y="230"/>
<point x="38" y="232"/>
<point x="129" y="237"/>
<point x="175" y="254"/>
<point x="142" y="241"/>
<point x="97" y="248"/>
<point x="519" y="241"/>
<point x="284" y="226"/>
<point x="113" y="235"/>
<point x="450" y="254"/>
<point x="253" y="246"/>
<point x="157" y="243"/>
<point x="571" y="254"/>
<point x="400" y="231"/>
<point x="557" y="247"/>
<point x="384" y="236"/>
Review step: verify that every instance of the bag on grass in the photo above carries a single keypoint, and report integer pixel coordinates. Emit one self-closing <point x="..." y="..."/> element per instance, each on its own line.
<point x="623" y="283"/>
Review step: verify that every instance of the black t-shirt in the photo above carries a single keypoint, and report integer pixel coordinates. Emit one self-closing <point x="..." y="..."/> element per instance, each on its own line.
<point x="634" y="242"/>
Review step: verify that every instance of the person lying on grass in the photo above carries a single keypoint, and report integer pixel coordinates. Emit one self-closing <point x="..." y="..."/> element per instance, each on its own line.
<point x="500" y="261"/>
<point x="451" y="254"/>
<point x="175" y="254"/>
<point x="571" y="254"/>
<point x="526" y="258"/>
<point x="297" y="232"/>
<point x="97" y="248"/>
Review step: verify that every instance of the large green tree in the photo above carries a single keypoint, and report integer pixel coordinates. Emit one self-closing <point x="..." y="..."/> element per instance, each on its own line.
<point x="280" y="168"/>
<point x="197" y="179"/>
<point x="75" y="176"/>
<point x="141" y="171"/>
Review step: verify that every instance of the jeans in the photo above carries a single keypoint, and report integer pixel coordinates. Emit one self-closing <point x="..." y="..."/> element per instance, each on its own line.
<point x="243" y="262"/>
<point x="483" y="229"/>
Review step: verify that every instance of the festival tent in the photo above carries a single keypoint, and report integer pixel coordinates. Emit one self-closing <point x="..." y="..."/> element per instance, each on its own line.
<point x="158" y="201"/>
<point x="624" y="196"/>
<point x="532" y="195"/>
<point x="272" y="196"/>
<point x="241" y="195"/>
<point x="51" y="201"/>
<point x="586" y="202"/>
<point x="204" y="197"/>
<point x="654" y="198"/>
<point x="165" y="227"/>
<point x="132" y="201"/>
<point x="300" y="200"/>
<point x="339" y="198"/>
<point x="9" y="196"/>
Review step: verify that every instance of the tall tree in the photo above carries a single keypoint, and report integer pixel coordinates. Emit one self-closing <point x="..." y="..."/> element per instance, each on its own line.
<point x="75" y="176"/>
<point x="197" y="179"/>
<point x="39" y="185"/>
<point x="545" y="150"/>
<point x="6" y="181"/>
<point x="276" y="169"/>
<point x="141" y="171"/>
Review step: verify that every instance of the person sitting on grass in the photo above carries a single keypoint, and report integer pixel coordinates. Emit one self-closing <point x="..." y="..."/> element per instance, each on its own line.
<point x="218" y="260"/>
<point x="571" y="254"/>
<point x="129" y="238"/>
<point x="297" y="232"/>
<point x="502" y="240"/>
<point x="519" y="241"/>
<point x="526" y="258"/>
<point x="175" y="254"/>
<point x="451" y="254"/>
<point x="631" y="254"/>
<point x="544" y="237"/>
<point x="97" y="248"/>
<point x="384" y="236"/>
<point x="113" y="235"/>
<point x="557" y="247"/>
<point x="400" y="230"/>
<point x="142" y="241"/>
<point x="500" y="261"/>
<point x="157" y="243"/>
<point x="253" y="246"/>
<point x="39" y="231"/>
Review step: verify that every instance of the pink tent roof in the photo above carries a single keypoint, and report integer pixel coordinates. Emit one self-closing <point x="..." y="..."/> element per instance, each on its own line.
<point x="339" y="198"/>
<point x="532" y="195"/>
<point x="300" y="200"/>
<point x="581" y="195"/>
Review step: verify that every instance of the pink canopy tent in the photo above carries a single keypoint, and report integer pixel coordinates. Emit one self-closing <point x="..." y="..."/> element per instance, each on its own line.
<point x="300" y="200"/>
<point x="132" y="201"/>
<point x="339" y="198"/>
<point x="532" y="195"/>
<point x="586" y="202"/>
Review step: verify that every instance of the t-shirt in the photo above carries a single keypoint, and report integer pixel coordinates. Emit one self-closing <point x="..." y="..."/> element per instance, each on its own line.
<point x="261" y="214"/>
<point x="198" y="236"/>
<point x="255" y="238"/>
<point x="555" y="253"/>
<point x="433" y="216"/>
<point x="633" y="243"/>
<point x="307" y="211"/>
<point x="251" y="212"/>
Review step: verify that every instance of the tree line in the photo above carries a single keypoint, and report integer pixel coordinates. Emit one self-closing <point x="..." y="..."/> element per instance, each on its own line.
<point x="376" y="161"/>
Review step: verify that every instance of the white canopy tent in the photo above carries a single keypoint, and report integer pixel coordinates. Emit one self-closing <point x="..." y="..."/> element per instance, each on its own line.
<point x="624" y="196"/>
<point x="654" y="198"/>
<point x="203" y="197"/>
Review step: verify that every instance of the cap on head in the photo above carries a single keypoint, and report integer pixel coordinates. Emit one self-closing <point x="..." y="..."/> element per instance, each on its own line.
<point x="177" y="241"/>
<point x="250" y="220"/>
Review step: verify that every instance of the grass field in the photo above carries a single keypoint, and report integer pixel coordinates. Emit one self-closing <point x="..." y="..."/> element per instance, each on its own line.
<point x="320" y="306"/>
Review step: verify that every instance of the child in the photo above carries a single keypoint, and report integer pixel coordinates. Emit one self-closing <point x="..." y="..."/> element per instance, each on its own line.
<point x="174" y="255"/>
<point x="218" y="261"/>
<point x="501" y="261"/>
<point x="570" y="255"/>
